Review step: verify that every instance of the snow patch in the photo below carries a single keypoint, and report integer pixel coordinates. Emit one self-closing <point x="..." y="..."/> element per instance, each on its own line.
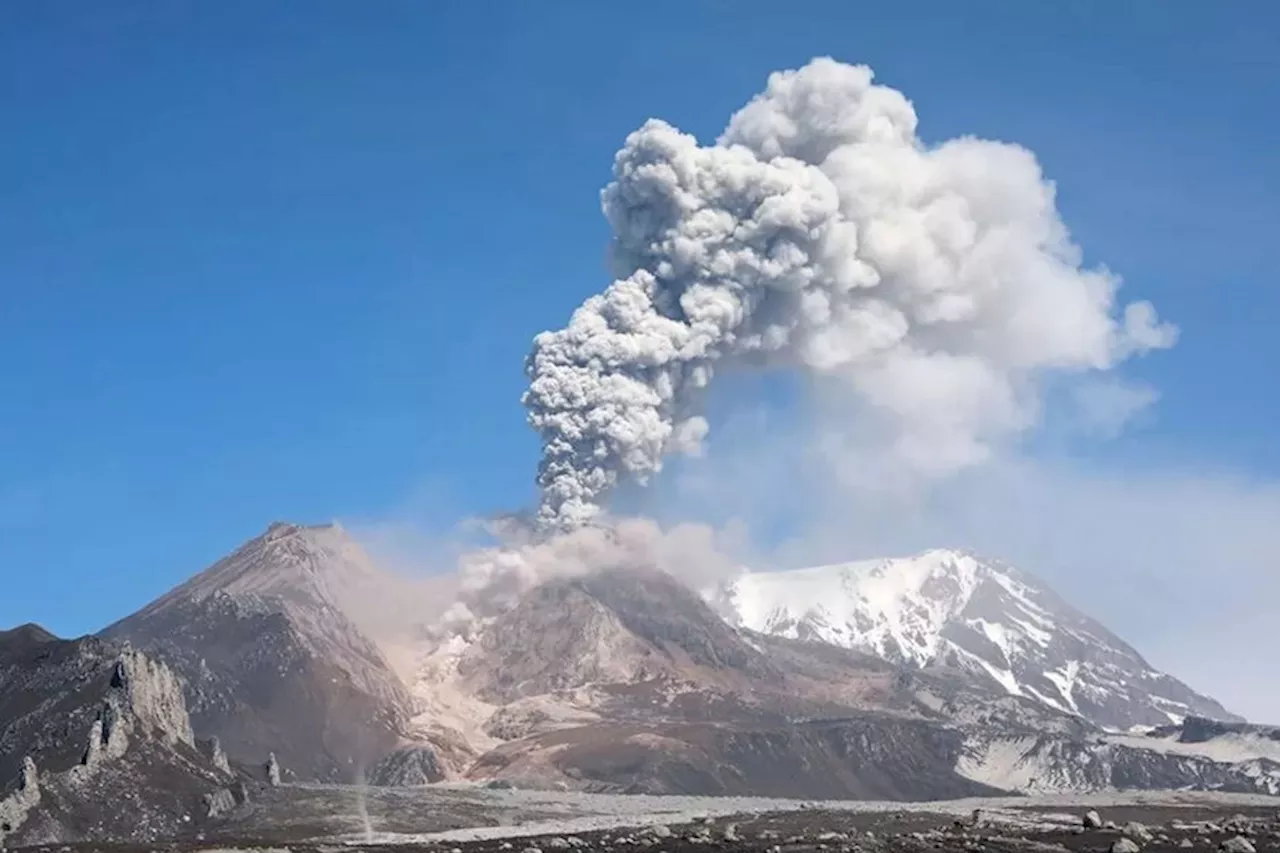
<point x="1002" y="763"/>
<point x="1064" y="679"/>
<point x="1231" y="748"/>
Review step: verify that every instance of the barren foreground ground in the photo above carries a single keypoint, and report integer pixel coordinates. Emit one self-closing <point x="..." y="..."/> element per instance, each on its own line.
<point x="468" y="820"/>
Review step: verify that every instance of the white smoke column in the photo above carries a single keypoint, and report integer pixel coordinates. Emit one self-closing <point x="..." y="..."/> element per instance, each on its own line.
<point x="936" y="283"/>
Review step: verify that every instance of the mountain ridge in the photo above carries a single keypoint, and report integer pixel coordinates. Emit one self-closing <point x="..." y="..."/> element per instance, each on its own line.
<point x="96" y="743"/>
<point x="630" y="681"/>
<point x="954" y="608"/>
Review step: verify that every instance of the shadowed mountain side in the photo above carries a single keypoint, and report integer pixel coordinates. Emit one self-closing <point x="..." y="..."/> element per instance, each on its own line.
<point x="96" y="743"/>
<point x="870" y="757"/>
<point x="272" y="663"/>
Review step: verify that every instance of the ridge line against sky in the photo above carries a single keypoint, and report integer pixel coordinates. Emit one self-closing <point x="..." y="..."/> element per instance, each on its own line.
<point x="286" y="262"/>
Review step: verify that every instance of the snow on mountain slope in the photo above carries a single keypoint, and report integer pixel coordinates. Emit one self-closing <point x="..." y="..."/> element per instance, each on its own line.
<point x="952" y="608"/>
<point x="1036" y="764"/>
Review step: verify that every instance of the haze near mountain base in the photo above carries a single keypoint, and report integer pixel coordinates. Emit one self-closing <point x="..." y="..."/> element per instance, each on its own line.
<point x="936" y="284"/>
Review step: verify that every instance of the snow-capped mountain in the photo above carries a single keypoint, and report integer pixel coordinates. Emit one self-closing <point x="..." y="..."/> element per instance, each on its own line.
<point x="954" y="609"/>
<point x="939" y="676"/>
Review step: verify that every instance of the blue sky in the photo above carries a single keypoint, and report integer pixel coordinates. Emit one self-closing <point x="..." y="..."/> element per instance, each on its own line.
<point x="283" y="261"/>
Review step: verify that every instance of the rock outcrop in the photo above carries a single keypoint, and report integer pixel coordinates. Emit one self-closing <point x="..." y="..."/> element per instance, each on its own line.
<point x="212" y="748"/>
<point x="108" y="730"/>
<point x="15" y="807"/>
<point x="408" y="767"/>
<point x="272" y="770"/>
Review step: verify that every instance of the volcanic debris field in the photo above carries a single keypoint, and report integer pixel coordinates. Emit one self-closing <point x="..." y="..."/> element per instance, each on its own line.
<point x="546" y="822"/>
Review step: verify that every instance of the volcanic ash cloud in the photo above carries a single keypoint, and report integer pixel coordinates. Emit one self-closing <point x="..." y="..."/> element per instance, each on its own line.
<point x="935" y="284"/>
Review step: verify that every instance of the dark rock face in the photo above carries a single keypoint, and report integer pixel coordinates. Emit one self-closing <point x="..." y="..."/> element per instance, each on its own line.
<point x="95" y="743"/>
<point x="1201" y="730"/>
<point x="51" y="693"/>
<point x="408" y="767"/>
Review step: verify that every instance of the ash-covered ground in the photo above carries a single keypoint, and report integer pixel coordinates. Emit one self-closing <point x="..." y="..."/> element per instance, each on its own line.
<point x="328" y="819"/>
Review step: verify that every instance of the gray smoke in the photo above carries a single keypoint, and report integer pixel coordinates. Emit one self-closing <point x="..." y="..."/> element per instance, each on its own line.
<point x="493" y="579"/>
<point x="936" y="284"/>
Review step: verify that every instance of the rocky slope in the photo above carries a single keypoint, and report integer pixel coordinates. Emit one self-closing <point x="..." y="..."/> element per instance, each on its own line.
<point x="931" y="677"/>
<point x="628" y="681"/>
<point x="954" y="609"/>
<point x="867" y="756"/>
<point x="272" y="658"/>
<point x="1036" y="763"/>
<point x="95" y="743"/>
<point x="616" y="627"/>
<point x="623" y="680"/>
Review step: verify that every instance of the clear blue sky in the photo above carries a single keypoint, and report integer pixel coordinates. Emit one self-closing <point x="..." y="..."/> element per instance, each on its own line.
<point x="283" y="260"/>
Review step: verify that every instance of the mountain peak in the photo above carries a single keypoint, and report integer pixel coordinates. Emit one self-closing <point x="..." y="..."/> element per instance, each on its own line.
<point x="24" y="640"/>
<point x="896" y="608"/>
<point x="287" y="561"/>
<point x="29" y="633"/>
<point x="952" y="608"/>
<point x="283" y="529"/>
<point x="280" y="635"/>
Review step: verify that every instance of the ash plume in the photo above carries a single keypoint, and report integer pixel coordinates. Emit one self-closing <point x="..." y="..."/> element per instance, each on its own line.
<point x="493" y="579"/>
<point x="936" y="284"/>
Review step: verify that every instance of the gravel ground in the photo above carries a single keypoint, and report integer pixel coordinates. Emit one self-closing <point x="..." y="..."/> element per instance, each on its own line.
<point x="471" y="820"/>
<point x="594" y="812"/>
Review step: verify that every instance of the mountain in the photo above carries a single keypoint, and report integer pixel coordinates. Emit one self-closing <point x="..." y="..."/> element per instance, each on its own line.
<point x="620" y="627"/>
<point x="298" y="645"/>
<point x="865" y="756"/>
<point x="272" y="659"/>
<point x="627" y="681"/>
<point x="96" y="743"/>
<point x="953" y="609"/>
<point x="943" y="675"/>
